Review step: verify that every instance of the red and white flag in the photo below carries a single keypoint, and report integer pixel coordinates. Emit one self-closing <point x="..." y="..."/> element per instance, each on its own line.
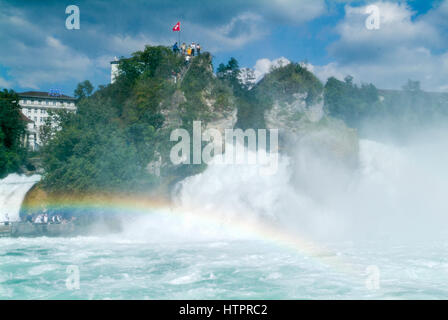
<point x="177" y="27"/>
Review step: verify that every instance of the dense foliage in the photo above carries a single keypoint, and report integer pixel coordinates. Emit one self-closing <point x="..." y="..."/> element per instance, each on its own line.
<point x="396" y="112"/>
<point x="120" y="130"/>
<point x="280" y="85"/>
<point x="347" y="101"/>
<point x="283" y="83"/>
<point x="414" y="106"/>
<point x="83" y="90"/>
<point x="12" y="130"/>
<point x="108" y="143"/>
<point x="250" y="107"/>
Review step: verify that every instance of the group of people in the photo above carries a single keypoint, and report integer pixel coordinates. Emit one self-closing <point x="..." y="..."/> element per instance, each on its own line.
<point x="44" y="219"/>
<point x="187" y="51"/>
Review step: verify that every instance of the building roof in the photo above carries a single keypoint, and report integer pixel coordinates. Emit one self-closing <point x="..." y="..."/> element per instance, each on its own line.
<point x="46" y="95"/>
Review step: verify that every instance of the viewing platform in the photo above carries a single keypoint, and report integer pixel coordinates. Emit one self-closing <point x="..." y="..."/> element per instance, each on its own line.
<point x="28" y="229"/>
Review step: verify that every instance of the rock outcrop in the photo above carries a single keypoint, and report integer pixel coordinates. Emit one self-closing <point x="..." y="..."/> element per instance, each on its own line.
<point x="302" y="122"/>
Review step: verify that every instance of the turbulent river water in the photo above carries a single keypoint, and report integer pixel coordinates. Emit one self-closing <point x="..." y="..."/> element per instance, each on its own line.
<point x="309" y="232"/>
<point x="116" y="268"/>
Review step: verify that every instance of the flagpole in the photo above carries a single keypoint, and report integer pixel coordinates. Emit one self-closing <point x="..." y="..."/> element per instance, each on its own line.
<point x="177" y="28"/>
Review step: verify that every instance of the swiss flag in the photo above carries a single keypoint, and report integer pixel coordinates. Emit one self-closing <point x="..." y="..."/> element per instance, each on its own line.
<point x="177" y="27"/>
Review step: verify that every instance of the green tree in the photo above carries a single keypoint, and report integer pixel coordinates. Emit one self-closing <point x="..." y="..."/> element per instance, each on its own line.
<point x="12" y="130"/>
<point x="346" y="101"/>
<point x="83" y="90"/>
<point x="107" y="144"/>
<point x="230" y="71"/>
<point x="283" y="83"/>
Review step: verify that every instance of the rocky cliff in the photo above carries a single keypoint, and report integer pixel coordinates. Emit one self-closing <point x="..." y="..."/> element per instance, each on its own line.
<point x="296" y="109"/>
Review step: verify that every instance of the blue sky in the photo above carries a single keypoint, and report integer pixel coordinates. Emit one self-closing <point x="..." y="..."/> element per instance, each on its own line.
<point x="39" y="53"/>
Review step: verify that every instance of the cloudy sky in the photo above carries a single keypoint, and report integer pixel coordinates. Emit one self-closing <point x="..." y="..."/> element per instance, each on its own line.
<point x="38" y="52"/>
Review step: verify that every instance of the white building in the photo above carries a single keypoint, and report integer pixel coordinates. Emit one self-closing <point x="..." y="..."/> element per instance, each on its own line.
<point x="36" y="106"/>
<point x="114" y="70"/>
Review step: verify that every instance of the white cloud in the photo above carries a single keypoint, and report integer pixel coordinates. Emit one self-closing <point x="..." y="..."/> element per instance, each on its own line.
<point x="295" y="11"/>
<point x="5" y="83"/>
<point x="41" y="52"/>
<point x="256" y="23"/>
<point x="405" y="47"/>
<point x="330" y="70"/>
<point x="35" y="57"/>
<point x="251" y="76"/>
<point x="51" y="62"/>
<point x="126" y="44"/>
<point x="264" y="66"/>
<point x="239" y="31"/>
<point x="439" y="16"/>
<point x="396" y="28"/>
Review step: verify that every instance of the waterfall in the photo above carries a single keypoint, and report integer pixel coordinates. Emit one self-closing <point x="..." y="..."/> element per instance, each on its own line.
<point x="13" y="189"/>
<point x="395" y="191"/>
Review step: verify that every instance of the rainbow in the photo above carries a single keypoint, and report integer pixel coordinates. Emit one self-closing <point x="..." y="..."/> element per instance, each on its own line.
<point x="256" y="228"/>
